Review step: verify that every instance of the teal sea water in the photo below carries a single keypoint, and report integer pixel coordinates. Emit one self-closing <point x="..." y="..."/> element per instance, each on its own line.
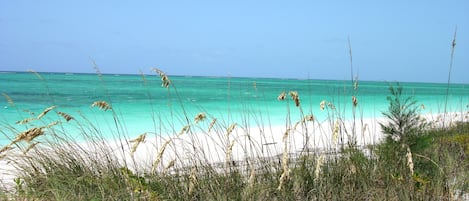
<point x="143" y="105"/>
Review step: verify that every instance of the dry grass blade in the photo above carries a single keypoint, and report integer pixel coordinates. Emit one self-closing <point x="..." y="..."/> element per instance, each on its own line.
<point x="136" y="142"/>
<point x="200" y="117"/>
<point x="164" y="78"/>
<point x="170" y="165"/>
<point x="160" y="155"/>
<point x="103" y="105"/>
<point x="45" y="111"/>
<point x="29" y="135"/>
<point x="9" y="100"/>
<point x="31" y="146"/>
<point x="66" y="116"/>
<point x="365" y="128"/>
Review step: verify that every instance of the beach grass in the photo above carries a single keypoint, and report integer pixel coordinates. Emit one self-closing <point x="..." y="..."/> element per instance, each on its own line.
<point x="215" y="159"/>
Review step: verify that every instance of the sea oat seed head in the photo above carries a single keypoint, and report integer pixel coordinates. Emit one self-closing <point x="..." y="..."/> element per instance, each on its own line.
<point x="230" y="129"/>
<point x="29" y="135"/>
<point x="200" y="117"/>
<point x="66" y="116"/>
<point x="36" y="74"/>
<point x="229" y="151"/>
<point x="352" y="168"/>
<point x="309" y="118"/>
<point x="193" y="180"/>
<point x="355" y="84"/>
<point x="9" y="100"/>
<point x="285" y="135"/>
<point x="164" y="79"/>
<point x="103" y="105"/>
<point x="335" y="132"/>
<point x="422" y="106"/>
<point x="6" y="148"/>
<point x="322" y="105"/>
<point x="317" y="170"/>
<point x="282" y="180"/>
<point x="52" y="124"/>
<point x="45" y="111"/>
<point x="282" y="95"/>
<point x="140" y="138"/>
<point x="185" y="129"/>
<point x="30" y="147"/>
<point x="285" y="169"/>
<point x="294" y="95"/>
<point x="160" y="155"/>
<point x="144" y="79"/>
<point x="136" y="142"/>
<point x="27" y="120"/>
<point x="212" y="124"/>
<point x="354" y="101"/>
<point x="252" y="177"/>
<point x="410" y="162"/>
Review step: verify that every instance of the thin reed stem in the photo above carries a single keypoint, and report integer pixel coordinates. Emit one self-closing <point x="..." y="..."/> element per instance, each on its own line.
<point x="453" y="45"/>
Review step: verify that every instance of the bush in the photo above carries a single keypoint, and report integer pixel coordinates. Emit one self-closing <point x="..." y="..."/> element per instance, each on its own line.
<point x="403" y="116"/>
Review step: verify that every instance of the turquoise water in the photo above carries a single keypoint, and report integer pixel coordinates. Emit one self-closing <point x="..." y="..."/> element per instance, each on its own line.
<point x="143" y="106"/>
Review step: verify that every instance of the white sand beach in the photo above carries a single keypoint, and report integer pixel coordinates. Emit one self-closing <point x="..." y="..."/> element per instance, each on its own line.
<point x="220" y="146"/>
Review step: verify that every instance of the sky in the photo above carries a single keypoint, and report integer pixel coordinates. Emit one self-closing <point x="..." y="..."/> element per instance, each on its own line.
<point x="396" y="40"/>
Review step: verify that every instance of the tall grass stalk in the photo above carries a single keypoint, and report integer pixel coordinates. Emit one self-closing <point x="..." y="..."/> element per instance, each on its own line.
<point x="453" y="45"/>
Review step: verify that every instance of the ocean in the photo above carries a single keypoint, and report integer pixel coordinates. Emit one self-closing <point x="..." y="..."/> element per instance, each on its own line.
<point x="141" y="104"/>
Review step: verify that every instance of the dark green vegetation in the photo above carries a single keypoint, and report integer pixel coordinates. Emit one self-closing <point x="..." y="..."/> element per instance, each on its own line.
<point x="415" y="162"/>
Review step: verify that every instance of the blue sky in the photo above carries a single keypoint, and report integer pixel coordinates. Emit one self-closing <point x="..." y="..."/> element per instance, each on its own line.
<point x="391" y="40"/>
